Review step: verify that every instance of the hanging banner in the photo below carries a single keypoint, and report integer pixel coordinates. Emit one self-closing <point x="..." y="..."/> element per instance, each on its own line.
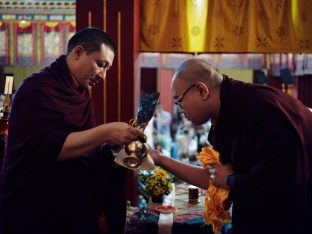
<point x="51" y="34"/>
<point x="4" y="38"/>
<point x="25" y="43"/>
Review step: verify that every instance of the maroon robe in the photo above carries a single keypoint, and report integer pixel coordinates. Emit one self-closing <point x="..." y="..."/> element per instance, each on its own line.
<point x="37" y="193"/>
<point x="266" y="136"/>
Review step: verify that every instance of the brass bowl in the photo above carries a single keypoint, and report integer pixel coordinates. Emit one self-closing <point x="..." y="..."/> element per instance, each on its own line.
<point x="136" y="151"/>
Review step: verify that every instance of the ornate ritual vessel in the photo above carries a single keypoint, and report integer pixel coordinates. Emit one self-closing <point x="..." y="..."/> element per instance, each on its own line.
<point x="137" y="150"/>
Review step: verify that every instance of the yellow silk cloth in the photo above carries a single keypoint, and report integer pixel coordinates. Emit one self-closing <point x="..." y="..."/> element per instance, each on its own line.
<point x="235" y="26"/>
<point x="214" y="212"/>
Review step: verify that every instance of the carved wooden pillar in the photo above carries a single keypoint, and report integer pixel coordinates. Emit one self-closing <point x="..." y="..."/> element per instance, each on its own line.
<point x="117" y="98"/>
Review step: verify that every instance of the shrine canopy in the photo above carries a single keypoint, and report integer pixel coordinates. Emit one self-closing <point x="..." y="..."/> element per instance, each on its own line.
<point x="237" y="26"/>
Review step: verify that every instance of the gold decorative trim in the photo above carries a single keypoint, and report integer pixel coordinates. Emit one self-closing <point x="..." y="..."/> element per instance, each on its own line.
<point x="89" y="18"/>
<point x="11" y="43"/>
<point x="38" y="29"/>
<point x="119" y="65"/>
<point x="104" y="15"/>
<point x="89" y="25"/>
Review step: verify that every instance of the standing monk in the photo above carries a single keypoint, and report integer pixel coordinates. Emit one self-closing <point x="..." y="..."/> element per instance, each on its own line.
<point x="58" y="174"/>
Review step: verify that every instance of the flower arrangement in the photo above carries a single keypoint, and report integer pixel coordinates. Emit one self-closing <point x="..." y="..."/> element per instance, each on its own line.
<point x="158" y="183"/>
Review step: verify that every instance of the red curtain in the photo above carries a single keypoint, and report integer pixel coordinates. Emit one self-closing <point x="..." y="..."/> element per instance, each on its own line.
<point x="164" y="87"/>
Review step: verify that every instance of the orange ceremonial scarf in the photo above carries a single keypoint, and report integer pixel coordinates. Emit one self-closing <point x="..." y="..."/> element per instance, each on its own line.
<point x="214" y="212"/>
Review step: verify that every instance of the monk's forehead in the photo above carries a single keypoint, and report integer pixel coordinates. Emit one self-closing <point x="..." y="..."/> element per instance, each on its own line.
<point x="178" y="85"/>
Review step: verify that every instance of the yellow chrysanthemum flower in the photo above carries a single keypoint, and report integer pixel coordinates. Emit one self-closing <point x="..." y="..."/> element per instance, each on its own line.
<point x="157" y="184"/>
<point x="161" y="172"/>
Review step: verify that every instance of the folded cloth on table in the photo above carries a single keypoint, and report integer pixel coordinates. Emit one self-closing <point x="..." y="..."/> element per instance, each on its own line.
<point x="165" y="221"/>
<point x="147" y="163"/>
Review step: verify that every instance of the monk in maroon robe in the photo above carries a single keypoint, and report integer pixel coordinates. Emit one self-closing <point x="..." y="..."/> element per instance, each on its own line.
<point x="58" y="174"/>
<point x="264" y="137"/>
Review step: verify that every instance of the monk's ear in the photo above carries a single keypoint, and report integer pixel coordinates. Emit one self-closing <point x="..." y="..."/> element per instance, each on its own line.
<point x="78" y="51"/>
<point x="202" y="89"/>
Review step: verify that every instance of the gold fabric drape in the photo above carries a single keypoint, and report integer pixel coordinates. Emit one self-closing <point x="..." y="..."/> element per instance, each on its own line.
<point x="233" y="26"/>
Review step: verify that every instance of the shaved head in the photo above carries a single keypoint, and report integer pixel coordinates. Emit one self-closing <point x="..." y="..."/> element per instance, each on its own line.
<point x="196" y="86"/>
<point x="197" y="70"/>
